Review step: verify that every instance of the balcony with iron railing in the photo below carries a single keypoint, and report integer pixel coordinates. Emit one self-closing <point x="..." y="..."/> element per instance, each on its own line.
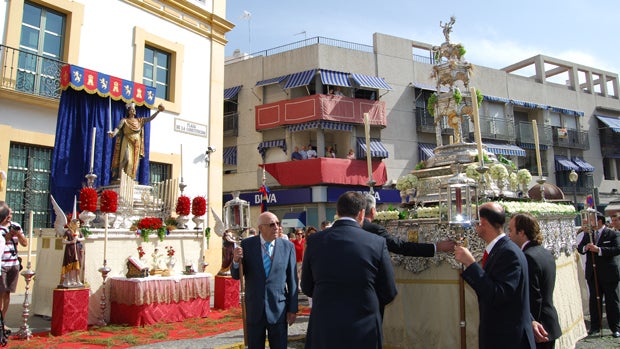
<point x="29" y="73"/>
<point x="610" y="143"/>
<point x="492" y="129"/>
<point x="425" y="122"/>
<point x="569" y="138"/>
<point x="525" y="134"/>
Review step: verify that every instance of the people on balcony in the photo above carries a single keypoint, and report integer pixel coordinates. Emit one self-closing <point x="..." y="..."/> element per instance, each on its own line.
<point x="304" y="153"/>
<point x="330" y="152"/>
<point x="296" y="155"/>
<point x="311" y="152"/>
<point x="351" y="154"/>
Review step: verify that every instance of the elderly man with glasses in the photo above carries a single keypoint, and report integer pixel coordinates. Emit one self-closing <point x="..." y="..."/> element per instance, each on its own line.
<point x="271" y="283"/>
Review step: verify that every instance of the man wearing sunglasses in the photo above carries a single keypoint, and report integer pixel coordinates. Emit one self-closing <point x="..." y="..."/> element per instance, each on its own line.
<point x="270" y="284"/>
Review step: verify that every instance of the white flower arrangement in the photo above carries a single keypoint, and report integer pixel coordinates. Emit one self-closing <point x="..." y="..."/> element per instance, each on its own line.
<point x="513" y="181"/>
<point x="538" y="208"/>
<point x="472" y="172"/>
<point x="386" y="215"/>
<point x="524" y="176"/>
<point x="499" y="172"/>
<point x="409" y="181"/>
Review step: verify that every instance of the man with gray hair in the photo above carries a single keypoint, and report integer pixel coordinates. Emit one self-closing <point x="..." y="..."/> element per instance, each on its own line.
<point x="399" y="246"/>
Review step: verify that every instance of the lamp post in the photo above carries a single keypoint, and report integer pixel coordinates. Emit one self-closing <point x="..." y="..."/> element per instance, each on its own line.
<point x="573" y="177"/>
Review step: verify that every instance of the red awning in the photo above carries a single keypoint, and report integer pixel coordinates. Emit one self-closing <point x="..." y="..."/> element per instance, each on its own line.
<point x="326" y="171"/>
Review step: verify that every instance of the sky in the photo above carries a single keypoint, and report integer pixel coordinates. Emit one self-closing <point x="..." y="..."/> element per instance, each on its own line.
<point x="495" y="34"/>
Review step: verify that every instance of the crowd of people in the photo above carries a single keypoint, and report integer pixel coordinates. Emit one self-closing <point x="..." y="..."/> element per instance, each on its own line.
<point x="345" y="270"/>
<point x="309" y="152"/>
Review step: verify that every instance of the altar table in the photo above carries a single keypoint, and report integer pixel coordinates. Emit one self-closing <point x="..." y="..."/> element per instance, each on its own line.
<point x="146" y="301"/>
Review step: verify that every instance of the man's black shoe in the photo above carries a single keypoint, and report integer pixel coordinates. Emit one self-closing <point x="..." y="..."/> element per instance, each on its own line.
<point x="593" y="332"/>
<point x="616" y="334"/>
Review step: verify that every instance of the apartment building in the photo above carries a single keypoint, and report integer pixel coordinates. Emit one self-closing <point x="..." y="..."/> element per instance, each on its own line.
<point x="315" y="93"/>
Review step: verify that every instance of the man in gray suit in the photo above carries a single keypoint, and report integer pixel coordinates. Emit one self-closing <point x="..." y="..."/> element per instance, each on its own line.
<point x="348" y="273"/>
<point x="270" y="273"/>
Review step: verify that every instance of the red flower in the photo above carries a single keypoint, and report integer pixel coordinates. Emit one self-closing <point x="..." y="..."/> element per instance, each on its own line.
<point x="140" y="252"/>
<point x="183" y="204"/>
<point x="109" y="201"/>
<point x="170" y="251"/>
<point x="199" y="206"/>
<point x="88" y="199"/>
<point x="150" y="223"/>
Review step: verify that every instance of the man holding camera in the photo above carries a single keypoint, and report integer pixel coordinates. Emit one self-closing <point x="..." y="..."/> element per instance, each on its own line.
<point x="12" y="234"/>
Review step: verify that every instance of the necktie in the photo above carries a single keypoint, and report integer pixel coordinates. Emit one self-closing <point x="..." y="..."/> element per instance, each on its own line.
<point x="484" y="258"/>
<point x="267" y="258"/>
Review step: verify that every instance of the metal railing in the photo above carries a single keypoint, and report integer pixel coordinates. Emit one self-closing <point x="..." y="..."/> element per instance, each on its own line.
<point x="29" y="73"/>
<point x="525" y="133"/>
<point x="304" y="43"/>
<point x="425" y="122"/>
<point x="568" y="138"/>
<point x="231" y="124"/>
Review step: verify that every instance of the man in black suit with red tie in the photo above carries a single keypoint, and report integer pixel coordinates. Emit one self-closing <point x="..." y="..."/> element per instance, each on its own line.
<point x="501" y="284"/>
<point x="524" y="231"/>
<point x="348" y="273"/>
<point x="605" y="252"/>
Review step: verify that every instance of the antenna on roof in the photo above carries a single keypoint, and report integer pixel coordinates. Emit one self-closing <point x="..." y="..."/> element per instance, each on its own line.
<point x="246" y="15"/>
<point x="302" y="32"/>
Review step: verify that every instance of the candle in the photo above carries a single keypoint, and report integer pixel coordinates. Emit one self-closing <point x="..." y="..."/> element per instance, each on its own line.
<point x="110" y="114"/>
<point x="105" y="238"/>
<point x="476" y="119"/>
<point x="181" y="162"/>
<point x="451" y="139"/>
<point x="30" y="223"/>
<point x="537" y="146"/>
<point x="368" y="155"/>
<point x="459" y="200"/>
<point x="92" y="150"/>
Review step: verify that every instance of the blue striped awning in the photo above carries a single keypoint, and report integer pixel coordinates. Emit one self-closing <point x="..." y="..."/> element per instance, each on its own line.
<point x="425" y="151"/>
<point x="230" y="155"/>
<point x="323" y="124"/>
<point x="232" y="92"/>
<point x="300" y="79"/>
<point x="335" y="78"/>
<point x="505" y="149"/>
<point x="271" y="81"/>
<point x="566" y="111"/>
<point x="611" y="122"/>
<point x="377" y="149"/>
<point x="370" y="81"/>
<point x="263" y="146"/>
<point x="430" y="87"/>
<point x="562" y="163"/>
<point x="583" y="165"/>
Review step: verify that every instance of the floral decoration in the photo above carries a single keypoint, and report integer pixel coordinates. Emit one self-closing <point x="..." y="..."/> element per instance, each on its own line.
<point x="386" y="215"/>
<point x="141" y="252"/>
<point x="524" y="176"/>
<point x="199" y="206"/>
<point x="150" y="225"/>
<point x="88" y="199"/>
<point x="183" y="205"/>
<point x="499" y="172"/>
<point x="472" y="172"/>
<point x="170" y="251"/>
<point x="513" y="181"/>
<point x="109" y="201"/>
<point x="409" y="181"/>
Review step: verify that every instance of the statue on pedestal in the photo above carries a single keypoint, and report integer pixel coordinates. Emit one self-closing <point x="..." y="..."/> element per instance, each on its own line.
<point x="74" y="255"/>
<point x="129" y="146"/>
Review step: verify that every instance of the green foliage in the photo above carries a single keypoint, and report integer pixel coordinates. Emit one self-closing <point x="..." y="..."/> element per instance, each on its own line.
<point x="85" y="231"/>
<point x="479" y="97"/>
<point x="403" y="215"/>
<point x="485" y="158"/>
<point x="392" y="208"/>
<point x="208" y="233"/>
<point x="462" y="51"/>
<point x="458" y="98"/>
<point x="421" y="165"/>
<point x="430" y="104"/>
<point x="506" y="162"/>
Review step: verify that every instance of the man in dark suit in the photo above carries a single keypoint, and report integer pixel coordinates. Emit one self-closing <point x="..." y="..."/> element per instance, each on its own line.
<point x="270" y="284"/>
<point x="396" y="245"/>
<point x="347" y="272"/>
<point x="524" y="231"/>
<point x="605" y="252"/>
<point x="501" y="284"/>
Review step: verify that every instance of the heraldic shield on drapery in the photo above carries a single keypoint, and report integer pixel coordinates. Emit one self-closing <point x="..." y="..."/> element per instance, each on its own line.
<point x="90" y="100"/>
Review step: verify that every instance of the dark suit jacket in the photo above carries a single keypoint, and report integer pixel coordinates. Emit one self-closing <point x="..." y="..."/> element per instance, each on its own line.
<point x="398" y="246"/>
<point x="607" y="264"/>
<point x="348" y="273"/>
<point x="541" y="272"/>
<point x="503" y="298"/>
<point x="275" y="295"/>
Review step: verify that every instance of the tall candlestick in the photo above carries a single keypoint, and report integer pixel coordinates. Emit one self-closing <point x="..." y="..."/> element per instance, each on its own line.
<point x="92" y="150"/>
<point x="30" y="224"/>
<point x="537" y="146"/>
<point x="368" y="155"/>
<point x="109" y="114"/>
<point x="105" y="238"/>
<point x="181" y="162"/>
<point x="476" y="117"/>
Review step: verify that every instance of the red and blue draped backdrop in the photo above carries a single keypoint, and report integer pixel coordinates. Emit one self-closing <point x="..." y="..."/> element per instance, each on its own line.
<point x="90" y="100"/>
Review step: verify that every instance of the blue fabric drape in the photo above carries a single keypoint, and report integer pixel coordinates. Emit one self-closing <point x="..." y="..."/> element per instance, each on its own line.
<point x="78" y="113"/>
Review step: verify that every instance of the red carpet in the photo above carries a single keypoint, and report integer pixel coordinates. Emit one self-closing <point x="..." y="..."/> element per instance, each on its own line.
<point x="115" y="336"/>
